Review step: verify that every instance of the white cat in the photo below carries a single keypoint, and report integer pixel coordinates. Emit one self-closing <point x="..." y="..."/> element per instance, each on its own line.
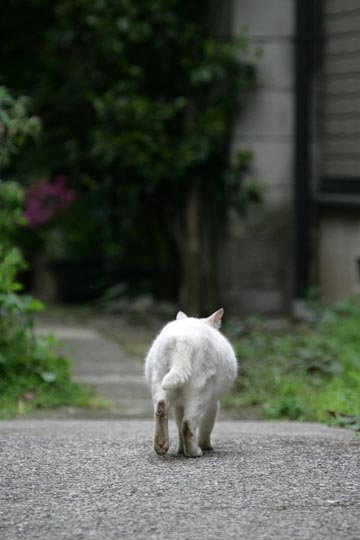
<point x="189" y="366"/>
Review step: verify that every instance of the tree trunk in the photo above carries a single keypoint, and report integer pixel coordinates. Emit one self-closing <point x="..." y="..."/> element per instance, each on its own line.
<point x="209" y="279"/>
<point x="191" y="291"/>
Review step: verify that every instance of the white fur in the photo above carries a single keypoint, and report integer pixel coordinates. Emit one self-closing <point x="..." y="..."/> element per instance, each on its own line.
<point x="190" y="366"/>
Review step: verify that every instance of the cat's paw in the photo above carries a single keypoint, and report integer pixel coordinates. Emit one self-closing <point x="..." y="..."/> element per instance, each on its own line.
<point x="206" y="447"/>
<point x="193" y="453"/>
<point x="161" y="446"/>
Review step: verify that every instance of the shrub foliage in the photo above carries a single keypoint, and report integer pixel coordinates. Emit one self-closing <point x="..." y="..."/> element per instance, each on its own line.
<point x="31" y="372"/>
<point x="137" y="101"/>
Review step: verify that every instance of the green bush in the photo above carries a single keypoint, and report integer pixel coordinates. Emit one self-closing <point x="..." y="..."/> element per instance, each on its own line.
<point x="309" y="373"/>
<point x="16" y="126"/>
<point x="32" y="374"/>
<point x="138" y="101"/>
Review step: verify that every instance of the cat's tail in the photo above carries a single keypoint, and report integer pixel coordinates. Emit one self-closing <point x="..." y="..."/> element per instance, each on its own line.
<point x="180" y="366"/>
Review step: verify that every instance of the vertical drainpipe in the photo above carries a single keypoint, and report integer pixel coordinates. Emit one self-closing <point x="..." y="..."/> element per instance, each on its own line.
<point x="303" y="60"/>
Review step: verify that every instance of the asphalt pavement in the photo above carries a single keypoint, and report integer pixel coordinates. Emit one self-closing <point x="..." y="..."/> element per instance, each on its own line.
<point x="83" y="479"/>
<point x="75" y="475"/>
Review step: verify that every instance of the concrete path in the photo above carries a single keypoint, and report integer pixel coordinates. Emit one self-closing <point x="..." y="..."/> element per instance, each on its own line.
<point x="73" y="480"/>
<point x="102" y="363"/>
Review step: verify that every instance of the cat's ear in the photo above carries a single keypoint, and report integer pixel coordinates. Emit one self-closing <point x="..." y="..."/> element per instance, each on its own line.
<point x="215" y="319"/>
<point x="181" y="315"/>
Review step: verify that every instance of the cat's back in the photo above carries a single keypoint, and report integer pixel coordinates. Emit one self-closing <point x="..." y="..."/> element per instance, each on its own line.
<point x="190" y="328"/>
<point x="208" y="352"/>
<point x="199" y="336"/>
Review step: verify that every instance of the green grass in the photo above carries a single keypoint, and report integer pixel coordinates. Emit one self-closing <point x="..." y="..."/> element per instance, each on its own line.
<point x="28" y="393"/>
<point x="309" y="373"/>
<point x="35" y="376"/>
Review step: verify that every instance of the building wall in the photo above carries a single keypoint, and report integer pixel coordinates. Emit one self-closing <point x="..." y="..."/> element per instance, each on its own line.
<point x="256" y="260"/>
<point x="339" y="142"/>
<point x="340" y="90"/>
<point x="339" y="255"/>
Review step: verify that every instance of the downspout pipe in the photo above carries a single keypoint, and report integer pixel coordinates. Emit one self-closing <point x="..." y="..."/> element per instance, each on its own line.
<point x="302" y="164"/>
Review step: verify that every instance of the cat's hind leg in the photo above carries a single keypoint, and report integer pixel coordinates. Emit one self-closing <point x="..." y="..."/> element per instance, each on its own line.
<point x="161" y="441"/>
<point x="206" y="426"/>
<point x="179" y="414"/>
<point x="188" y="434"/>
<point x="192" y="416"/>
<point x="161" y="438"/>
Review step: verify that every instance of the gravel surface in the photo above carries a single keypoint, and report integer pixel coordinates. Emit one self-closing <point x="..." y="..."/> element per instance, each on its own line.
<point x="102" y="480"/>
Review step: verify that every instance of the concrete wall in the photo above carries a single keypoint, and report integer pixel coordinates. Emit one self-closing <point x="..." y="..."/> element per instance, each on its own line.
<point x="266" y="126"/>
<point x="256" y="261"/>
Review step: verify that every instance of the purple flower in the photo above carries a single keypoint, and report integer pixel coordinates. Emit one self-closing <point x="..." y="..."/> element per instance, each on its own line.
<point x="46" y="200"/>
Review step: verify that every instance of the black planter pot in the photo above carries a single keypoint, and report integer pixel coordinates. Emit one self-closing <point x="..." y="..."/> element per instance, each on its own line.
<point x="77" y="280"/>
<point x="26" y="278"/>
